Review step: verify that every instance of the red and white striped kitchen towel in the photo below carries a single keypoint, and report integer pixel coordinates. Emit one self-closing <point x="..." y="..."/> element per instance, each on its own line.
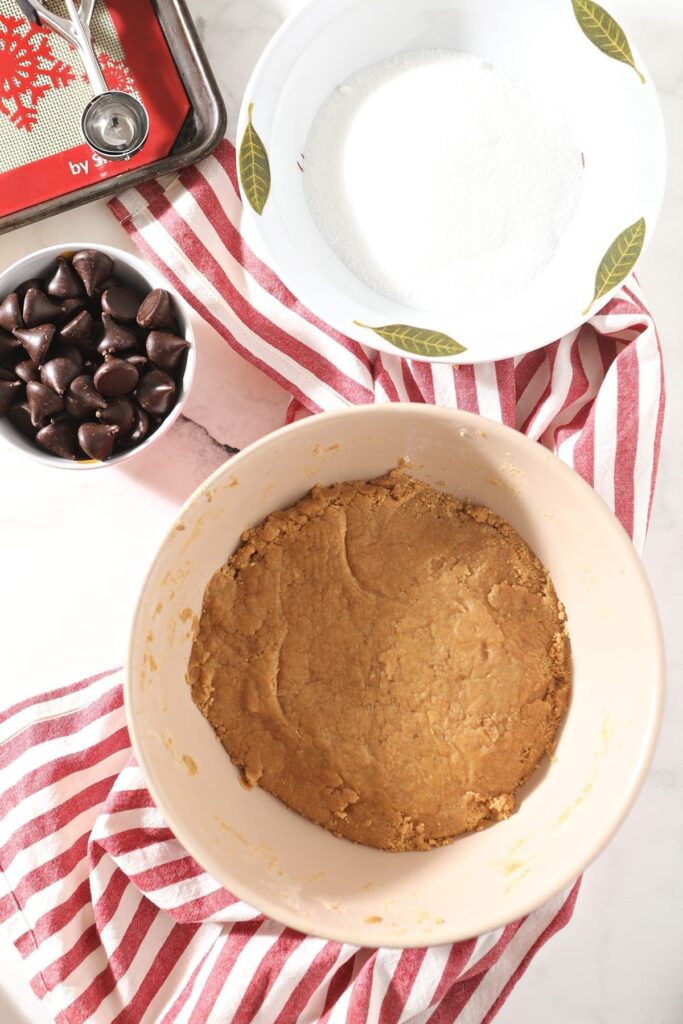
<point x="117" y="923"/>
<point x="114" y="920"/>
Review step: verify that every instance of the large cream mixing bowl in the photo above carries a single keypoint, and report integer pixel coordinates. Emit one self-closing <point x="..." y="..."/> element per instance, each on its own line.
<point x="293" y="870"/>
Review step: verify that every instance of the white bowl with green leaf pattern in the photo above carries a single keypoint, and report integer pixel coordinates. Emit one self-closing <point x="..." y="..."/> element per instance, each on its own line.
<point x="572" y="52"/>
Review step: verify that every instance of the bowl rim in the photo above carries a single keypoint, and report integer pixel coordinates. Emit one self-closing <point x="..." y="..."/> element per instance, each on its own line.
<point x="254" y="227"/>
<point x="519" y="908"/>
<point x="157" y="280"/>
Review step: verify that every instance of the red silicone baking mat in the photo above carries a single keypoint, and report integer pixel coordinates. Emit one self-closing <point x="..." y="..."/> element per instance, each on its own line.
<point x="43" y="91"/>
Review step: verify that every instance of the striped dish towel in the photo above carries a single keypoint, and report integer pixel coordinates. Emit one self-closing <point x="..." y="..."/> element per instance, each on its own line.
<point x="114" y="920"/>
<point x="117" y="923"/>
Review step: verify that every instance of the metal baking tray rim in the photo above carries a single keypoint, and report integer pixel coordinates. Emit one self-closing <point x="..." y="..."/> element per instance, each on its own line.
<point x="197" y="77"/>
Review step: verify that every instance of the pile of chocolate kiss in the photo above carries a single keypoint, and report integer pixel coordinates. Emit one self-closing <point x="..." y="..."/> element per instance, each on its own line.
<point x="89" y="367"/>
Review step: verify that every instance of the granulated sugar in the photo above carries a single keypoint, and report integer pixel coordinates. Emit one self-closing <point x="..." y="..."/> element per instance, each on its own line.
<point x="440" y="180"/>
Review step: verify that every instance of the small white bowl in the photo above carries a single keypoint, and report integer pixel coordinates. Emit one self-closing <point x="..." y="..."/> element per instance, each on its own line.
<point x="132" y="271"/>
<point x="293" y="870"/>
<point x="615" y="118"/>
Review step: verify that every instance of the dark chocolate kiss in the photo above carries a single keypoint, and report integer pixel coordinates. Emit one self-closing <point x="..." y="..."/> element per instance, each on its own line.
<point x="116" y="377"/>
<point x="58" y="374"/>
<point x="10" y="312"/>
<point x="38" y="309"/>
<point x="97" y="439"/>
<point x="166" y="349"/>
<point x="121" y="413"/>
<point x="43" y="402"/>
<point x="59" y="438"/>
<point x="79" y="330"/>
<point x="36" y="340"/>
<point x="27" y="370"/>
<point x="64" y="283"/>
<point x="157" y="393"/>
<point x="156" y="311"/>
<point x="93" y="268"/>
<point x="116" y="337"/>
<point x="120" y="303"/>
<point x="82" y="398"/>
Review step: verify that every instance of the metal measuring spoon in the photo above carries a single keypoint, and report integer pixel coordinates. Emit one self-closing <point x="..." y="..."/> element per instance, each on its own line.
<point x="115" y="124"/>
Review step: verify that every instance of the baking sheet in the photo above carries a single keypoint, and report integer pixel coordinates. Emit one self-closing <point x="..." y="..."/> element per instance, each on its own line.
<point x="187" y="113"/>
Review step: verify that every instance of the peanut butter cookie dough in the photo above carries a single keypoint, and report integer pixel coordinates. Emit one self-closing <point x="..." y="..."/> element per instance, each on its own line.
<point x="388" y="661"/>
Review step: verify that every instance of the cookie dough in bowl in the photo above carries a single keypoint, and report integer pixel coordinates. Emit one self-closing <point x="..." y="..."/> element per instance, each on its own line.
<point x="289" y="867"/>
<point x="388" y="661"/>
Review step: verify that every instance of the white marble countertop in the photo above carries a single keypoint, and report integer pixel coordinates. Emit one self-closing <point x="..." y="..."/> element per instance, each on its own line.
<point x="620" y="958"/>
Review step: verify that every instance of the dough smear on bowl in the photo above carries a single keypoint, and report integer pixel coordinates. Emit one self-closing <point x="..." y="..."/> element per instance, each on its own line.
<point x="390" y="662"/>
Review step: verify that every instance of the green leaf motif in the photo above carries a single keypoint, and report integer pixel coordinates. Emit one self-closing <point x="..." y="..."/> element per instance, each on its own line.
<point x="417" y="340"/>
<point x="604" y="32"/>
<point x="254" y="167"/>
<point x="619" y="260"/>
